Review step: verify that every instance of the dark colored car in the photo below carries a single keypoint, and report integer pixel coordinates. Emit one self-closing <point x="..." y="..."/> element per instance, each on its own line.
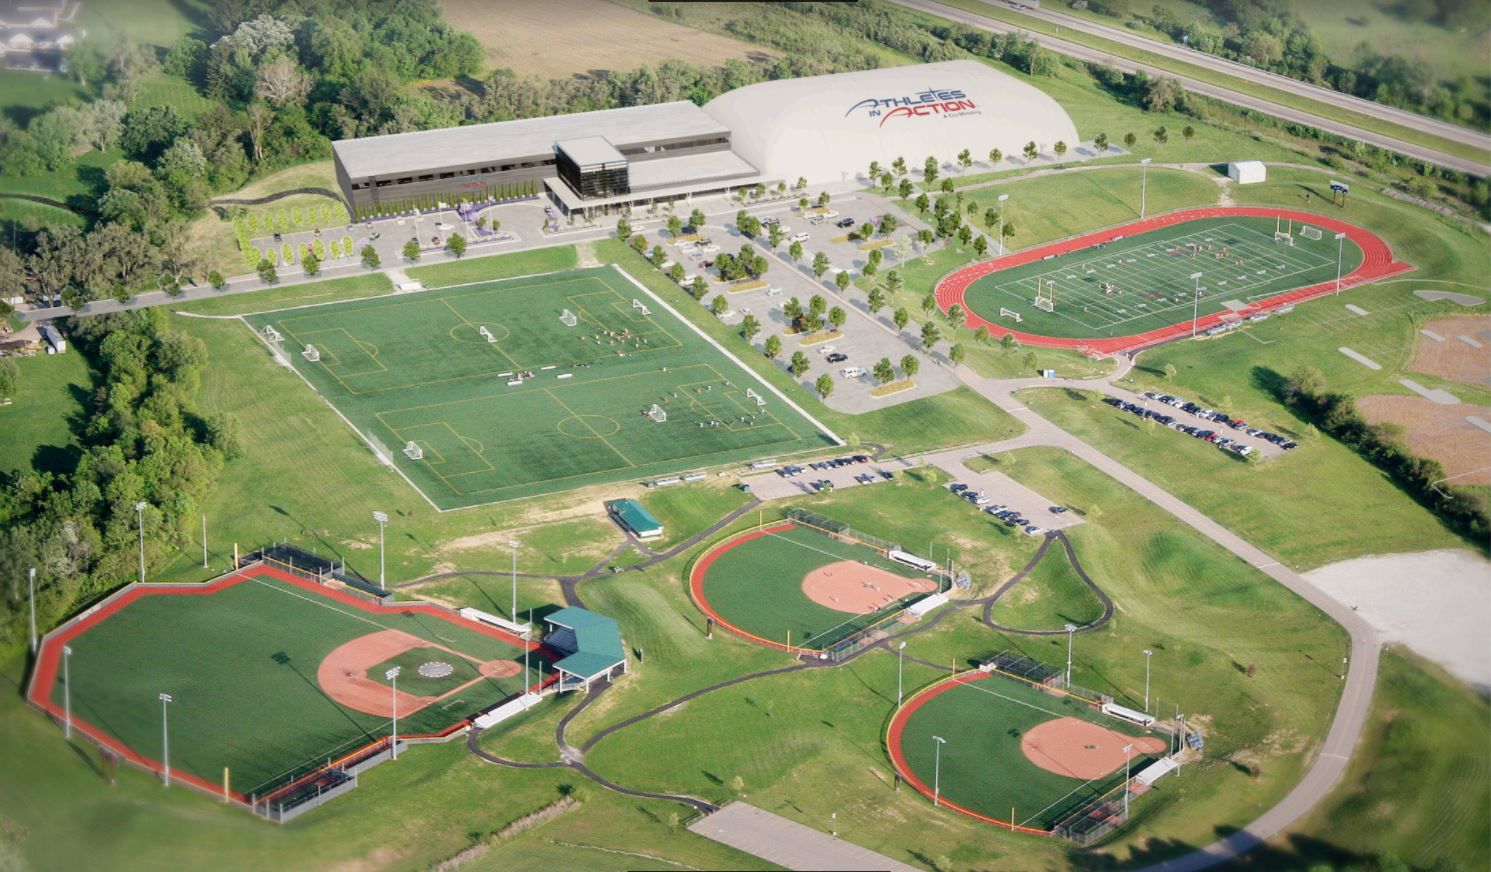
<point x="837" y="357"/>
<point x="844" y="222"/>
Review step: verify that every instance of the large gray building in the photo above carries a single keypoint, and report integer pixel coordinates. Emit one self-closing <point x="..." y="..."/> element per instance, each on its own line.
<point x="585" y="161"/>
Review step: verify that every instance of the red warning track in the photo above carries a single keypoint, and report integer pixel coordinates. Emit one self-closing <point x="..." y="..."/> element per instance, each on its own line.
<point x="701" y="569"/>
<point x="49" y="659"/>
<point x="1377" y="263"/>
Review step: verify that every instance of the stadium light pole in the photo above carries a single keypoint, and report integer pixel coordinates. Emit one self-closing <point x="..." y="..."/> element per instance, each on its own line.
<point x="1143" y="185"/>
<point x="165" y="739"/>
<point x="1195" y="303"/>
<point x="900" y="667"/>
<point x="1340" y="245"/>
<point x="513" y="544"/>
<point x="1070" y="629"/>
<point x="1002" y="198"/>
<point x="204" y="541"/>
<point x="382" y="519"/>
<point x="66" y="692"/>
<point x="937" y="771"/>
<point x="140" y="522"/>
<point x="1147" y="654"/>
<point x="393" y="677"/>
<point x="1127" y="752"/>
<point x="31" y="587"/>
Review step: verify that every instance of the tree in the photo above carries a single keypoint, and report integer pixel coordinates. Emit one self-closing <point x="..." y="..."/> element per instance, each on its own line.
<point x="675" y="272"/>
<point x="965" y="159"/>
<point x="910" y="366"/>
<point x="884" y="371"/>
<point x="1059" y="148"/>
<point x="866" y="230"/>
<point x="774" y="235"/>
<point x="1100" y="142"/>
<point x="1009" y="230"/>
<point x="696" y="219"/>
<point x="929" y="170"/>
<point x="1163" y="94"/>
<point x="773" y="346"/>
<point x="267" y="273"/>
<point x="981" y="246"/>
<point x="1030" y="360"/>
<point x="658" y="255"/>
<point x="842" y="280"/>
<point x="876" y="300"/>
<point x="411" y="250"/>
<point x="1128" y="141"/>
<point x="1008" y="342"/>
<point x="957" y="353"/>
<point x="456" y="244"/>
<point x="995" y="155"/>
<point x="370" y="257"/>
<point x="898" y="166"/>
<point x="820" y="264"/>
<point x="965" y="233"/>
<point x="798" y="364"/>
<point x="675" y="225"/>
<point x="792" y="310"/>
<point x="257" y="116"/>
<point x="901" y="318"/>
<point x="217" y="281"/>
<point x="749" y="327"/>
<point x="1161" y="135"/>
<point x="623" y="229"/>
<point x="698" y="287"/>
<point x="886" y="182"/>
<point x="1188" y="132"/>
<point x="837" y="316"/>
<point x="802" y="183"/>
<point x="874" y="170"/>
<point x="10" y="378"/>
<point x="905" y="188"/>
<point x="981" y="335"/>
<point x="795" y="251"/>
<point x="930" y="335"/>
<point x="823" y="199"/>
<point x="1030" y="150"/>
<point x="825" y="385"/>
<point x="956" y="316"/>
<point x="282" y="82"/>
<point x="893" y="281"/>
<point x="311" y="264"/>
<point x="888" y="225"/>
<point x="921" y="203"/>
<point x="947" y="186"/>
<point x="719" y="305"/>
<point x="817" y="305"/>
<point x="929" y="304"/>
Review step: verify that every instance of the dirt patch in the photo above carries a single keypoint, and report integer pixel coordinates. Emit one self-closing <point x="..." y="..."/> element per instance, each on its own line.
<point x="1438" y="432"/>
<point x="499" y="669"/>
<point x="529" y="39"/>
<point x="1453" y="358"/>
<point x="1081" y="749"/>
<point x="858" y="588"/>
<point x="343" y="673"/>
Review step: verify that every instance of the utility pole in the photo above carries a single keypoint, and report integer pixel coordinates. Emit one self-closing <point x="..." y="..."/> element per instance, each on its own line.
<point x="382" y="519"/>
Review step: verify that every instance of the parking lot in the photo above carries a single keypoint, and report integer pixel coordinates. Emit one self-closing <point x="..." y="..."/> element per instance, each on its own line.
<point x="843" y="471"/>
<point x="1212" y="425"/>
<point x="1002" y="491"/>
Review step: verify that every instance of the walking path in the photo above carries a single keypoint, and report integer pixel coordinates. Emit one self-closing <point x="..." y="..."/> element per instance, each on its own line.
<point x="787" y="843"/>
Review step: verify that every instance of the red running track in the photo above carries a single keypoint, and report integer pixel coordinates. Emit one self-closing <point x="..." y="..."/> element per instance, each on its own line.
<point x="1377" y="263"/>
<point x="45" y="675"/>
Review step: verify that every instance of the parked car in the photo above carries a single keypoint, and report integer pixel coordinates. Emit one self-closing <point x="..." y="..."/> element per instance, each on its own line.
<point x="799" y="237"/>
<point x="957" y="487"/>
<point x="844" y="222"/>
<point x="837" y="357"/>
<point x="770" y="220"/>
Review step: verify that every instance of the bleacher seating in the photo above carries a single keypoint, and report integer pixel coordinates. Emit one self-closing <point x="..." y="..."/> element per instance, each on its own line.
<point x="562" y="640"/>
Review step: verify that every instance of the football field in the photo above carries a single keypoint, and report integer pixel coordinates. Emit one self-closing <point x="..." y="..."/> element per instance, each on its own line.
<point x="497" y="390"/>
<point x="1148" y="281"/>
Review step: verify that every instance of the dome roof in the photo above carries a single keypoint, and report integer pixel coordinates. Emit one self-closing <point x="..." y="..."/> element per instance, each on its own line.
<point x="829" y="128"/>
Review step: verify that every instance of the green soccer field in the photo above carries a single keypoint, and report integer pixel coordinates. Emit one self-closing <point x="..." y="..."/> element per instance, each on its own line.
<point x="1145" y="282"/>
<point x="241" y="666"/>
<point x="756" y="585"/>
<point x="504" y="400"/>
<point x="982" y="767"/>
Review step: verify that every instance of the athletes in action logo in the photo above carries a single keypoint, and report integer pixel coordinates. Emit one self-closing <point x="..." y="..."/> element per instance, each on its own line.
<point x="929" y="102"/>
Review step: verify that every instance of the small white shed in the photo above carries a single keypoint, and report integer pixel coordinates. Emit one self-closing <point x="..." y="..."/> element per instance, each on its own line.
<point x="1247" y="172"/>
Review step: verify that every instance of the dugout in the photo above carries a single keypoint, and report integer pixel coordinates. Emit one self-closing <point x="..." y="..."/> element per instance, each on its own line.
<point x="591" y="645"/>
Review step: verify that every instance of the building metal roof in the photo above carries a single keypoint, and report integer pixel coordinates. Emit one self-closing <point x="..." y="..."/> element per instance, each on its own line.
<point x="597" y="637"/>
<point x="635" y="516"/>
<point x="590" y="151"/>
<point x="428" y="150"/>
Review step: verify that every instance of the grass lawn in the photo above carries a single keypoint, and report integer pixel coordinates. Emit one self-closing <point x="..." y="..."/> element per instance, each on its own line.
<point x="476" y="269"/>
<point x="24" y="94"/>
<point x="1420" y="782"/>
<point x="489" y="435"/>
<point x="156" y="22"/>
<point x="1050" y="597"/>
<point x="688" y="509"/>
<point x="310" y="294"/>
<point x="48" y="406"/>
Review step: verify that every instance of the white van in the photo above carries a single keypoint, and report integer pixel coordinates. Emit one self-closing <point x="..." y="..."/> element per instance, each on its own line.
<point x="799" y="237"/>
<point x="852" y="372"/>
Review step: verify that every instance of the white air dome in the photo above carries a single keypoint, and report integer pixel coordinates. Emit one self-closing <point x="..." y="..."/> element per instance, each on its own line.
<point x="829" y="128"/>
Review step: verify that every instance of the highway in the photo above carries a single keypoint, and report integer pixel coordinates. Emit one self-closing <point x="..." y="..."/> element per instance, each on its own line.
<point x="1206" y="89"/>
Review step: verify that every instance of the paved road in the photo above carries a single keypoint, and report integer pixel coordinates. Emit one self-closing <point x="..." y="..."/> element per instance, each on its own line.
<point x="787" y="843"/>
<point x="1454" y="132"/>
<point x="1356" y="698"/>
<point x="1285" y="113"/>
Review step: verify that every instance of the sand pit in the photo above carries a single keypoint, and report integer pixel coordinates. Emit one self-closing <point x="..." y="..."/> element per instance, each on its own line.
<point x="1081" y="749"/>
<point x="1436" y="602"/>
<point x="859" y="589"/>
<point x="1438" y="432"/>
<point x="1454" y="358"/>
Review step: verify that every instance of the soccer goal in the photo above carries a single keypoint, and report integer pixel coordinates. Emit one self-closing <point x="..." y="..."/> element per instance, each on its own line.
<point x="1010" y="313"/>
<point x="752" y="395"/>
<point x="568" y="319"/>
<point x="272" y="335"/>
<point x="310" y="353"/>
<point x="413" y="451"/>
<point x="641" y="307"/>
<point x="486" y="334"/>
<point x="657" y="414"/>
<point x="1309" y="232"/>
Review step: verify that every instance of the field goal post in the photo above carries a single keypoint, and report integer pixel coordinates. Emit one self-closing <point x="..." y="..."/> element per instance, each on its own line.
<point x="1283" y="233"/>
<point x="657" y="413"/>
<point x="1309" y="232"/>
<point x="1045" y="295"/>
<point x="568" y="319"/>
<point x="1010" y="313"/>
<point x="413" y="451"/>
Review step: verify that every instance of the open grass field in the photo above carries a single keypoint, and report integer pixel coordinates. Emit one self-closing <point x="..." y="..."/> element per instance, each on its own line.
<point x="755" y="583"/>
<point x="40" y="424"/>
<point x="539" y="405"/>
<point x="983" y="768"/>
<point x="530" y="40"/>
<point x="1145" y="281"/>
<point x="1050" y="597"/>
<point x="245" y="662"/>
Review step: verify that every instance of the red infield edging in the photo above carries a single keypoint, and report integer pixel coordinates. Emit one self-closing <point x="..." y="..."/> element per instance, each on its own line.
<point x="1377" y="262"/>
<point x="701" y="569"/>
<point x="49" y="657"/>
<point x="898" y="759"/>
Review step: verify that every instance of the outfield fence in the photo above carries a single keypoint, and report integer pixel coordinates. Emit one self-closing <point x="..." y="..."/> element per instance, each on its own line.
<point x="839" y="529"/>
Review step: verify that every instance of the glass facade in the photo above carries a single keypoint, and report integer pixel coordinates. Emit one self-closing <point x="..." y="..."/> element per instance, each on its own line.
<point x="596" y="180"/>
